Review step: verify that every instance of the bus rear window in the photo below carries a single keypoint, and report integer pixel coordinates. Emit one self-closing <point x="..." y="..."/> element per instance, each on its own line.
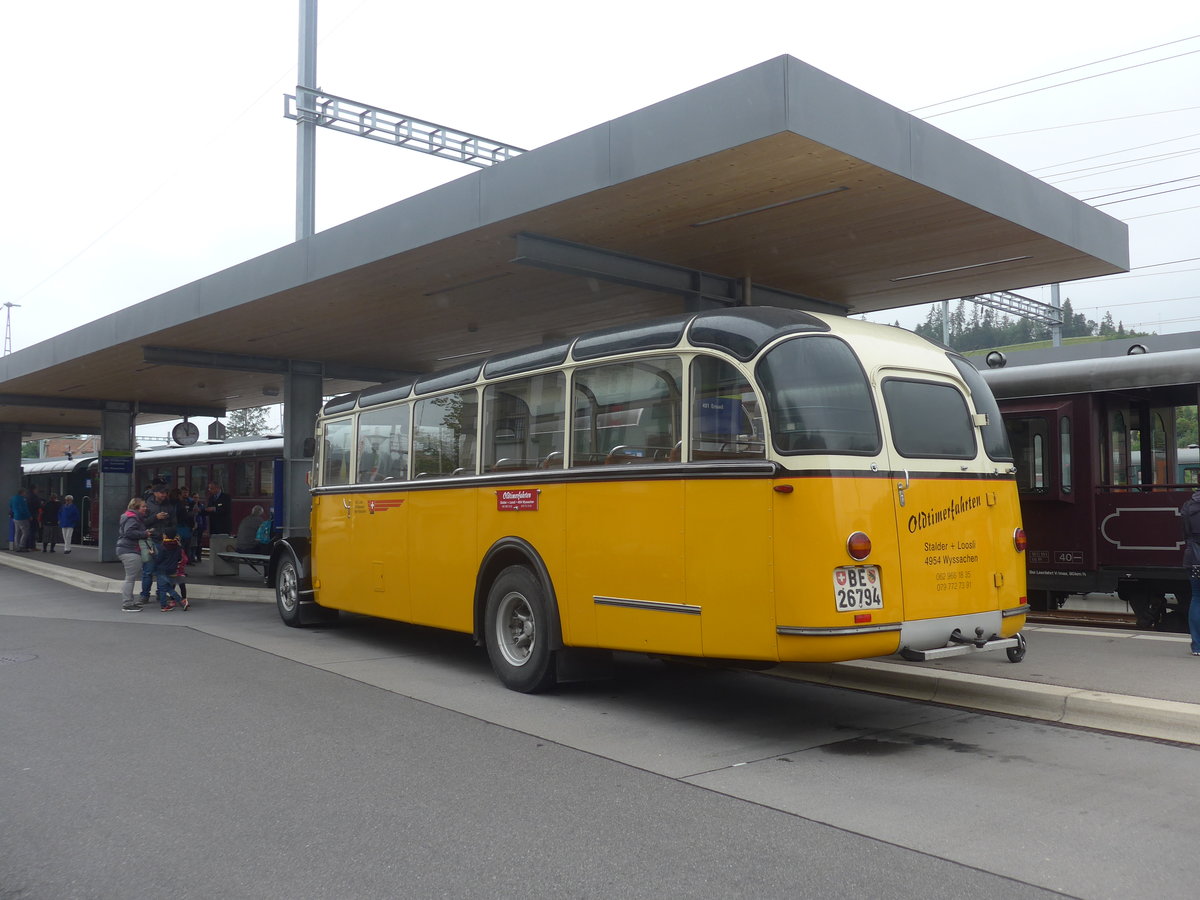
<point x="818" y="398"/>
<point x="929" y="419"/>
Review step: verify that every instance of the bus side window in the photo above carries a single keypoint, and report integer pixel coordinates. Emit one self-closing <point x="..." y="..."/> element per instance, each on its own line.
<point x="383" y="444"/>
<point x="725" y="413"/>
<point x="627" y="412"/>
<point x="444" y="435"/>
<point x="335" y="452"/>
<point x="524" y="423"/>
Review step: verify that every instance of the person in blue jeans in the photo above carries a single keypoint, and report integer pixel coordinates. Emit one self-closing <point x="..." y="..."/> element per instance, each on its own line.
<point x="169" y="560"/>
<point x="1189" y="513"/>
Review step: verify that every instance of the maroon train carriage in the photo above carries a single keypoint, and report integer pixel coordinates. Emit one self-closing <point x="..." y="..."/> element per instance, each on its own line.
<point x="1101" y="476"/>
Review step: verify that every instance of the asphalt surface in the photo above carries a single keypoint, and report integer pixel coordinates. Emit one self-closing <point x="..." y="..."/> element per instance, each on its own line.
<point x="175" y="755"/>
<point x="1130" y="682"/>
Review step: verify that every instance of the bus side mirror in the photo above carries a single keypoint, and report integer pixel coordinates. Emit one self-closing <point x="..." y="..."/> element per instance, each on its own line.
<point x="309" y="448"/>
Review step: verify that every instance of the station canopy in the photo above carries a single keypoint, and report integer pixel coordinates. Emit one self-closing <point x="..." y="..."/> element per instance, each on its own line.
<point x="776" y="185"/>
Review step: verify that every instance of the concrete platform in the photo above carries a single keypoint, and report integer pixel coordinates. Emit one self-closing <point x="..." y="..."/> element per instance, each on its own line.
<point x="82" y="568"/>
<point x="1122" y="680"/>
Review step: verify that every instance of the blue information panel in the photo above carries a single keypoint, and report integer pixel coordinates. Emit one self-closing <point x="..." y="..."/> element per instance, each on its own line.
<point x="116" y="462"/>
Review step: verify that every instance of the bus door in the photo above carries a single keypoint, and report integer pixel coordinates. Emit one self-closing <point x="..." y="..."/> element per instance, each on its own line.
<point x="943" y="507"/>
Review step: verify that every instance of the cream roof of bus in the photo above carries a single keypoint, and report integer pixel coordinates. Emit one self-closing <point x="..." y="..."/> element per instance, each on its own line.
<point x="779" y="175"/>
<point x="741" y="332"/>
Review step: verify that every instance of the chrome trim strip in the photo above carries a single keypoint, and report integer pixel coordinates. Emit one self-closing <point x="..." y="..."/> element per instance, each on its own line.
<point x="685" y="608"/>
<point x="796" y="631"/>
<point x="1014" y="611"/>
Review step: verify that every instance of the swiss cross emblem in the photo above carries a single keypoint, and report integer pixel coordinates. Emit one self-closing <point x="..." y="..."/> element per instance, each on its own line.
<point x="840" y="576"/>
<point x="871" y="575"/>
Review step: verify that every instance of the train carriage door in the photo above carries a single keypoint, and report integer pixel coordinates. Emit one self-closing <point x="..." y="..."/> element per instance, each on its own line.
<point x="943" y="506"/>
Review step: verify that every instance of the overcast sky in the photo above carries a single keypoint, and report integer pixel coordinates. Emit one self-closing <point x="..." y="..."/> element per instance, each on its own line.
<point x="145" y="145"/>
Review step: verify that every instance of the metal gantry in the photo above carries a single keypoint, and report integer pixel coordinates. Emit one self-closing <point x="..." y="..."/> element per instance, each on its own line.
<point x="1007" y="301"/>
<point x="378" y="124"/>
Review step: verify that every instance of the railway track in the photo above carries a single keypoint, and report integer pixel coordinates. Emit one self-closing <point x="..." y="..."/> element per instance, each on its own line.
<point x="1089" y="617"/>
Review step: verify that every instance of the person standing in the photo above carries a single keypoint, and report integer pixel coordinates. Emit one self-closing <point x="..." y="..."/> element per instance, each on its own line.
<point x="1189" y="513"/>
<point x="68" y="521"/>
<point x="200" y="518"/>
<point x="160" y="515"/>
<point x="169" y="561"/>
<point x="184" y="519"/>
<point x="50" y="513"/>
<point x="18" y="508"/>
<point x="35" y="518"/>
<point x="130" y="532"/>
<point x="219" y="509"/>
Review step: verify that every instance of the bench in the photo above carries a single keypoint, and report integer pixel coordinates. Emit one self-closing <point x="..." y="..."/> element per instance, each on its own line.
<point x="225" y="559"/>
<point x="233" y="558"/>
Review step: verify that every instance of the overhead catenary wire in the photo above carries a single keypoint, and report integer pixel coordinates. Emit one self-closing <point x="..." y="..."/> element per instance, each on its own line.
<point x="1095" y="62"/>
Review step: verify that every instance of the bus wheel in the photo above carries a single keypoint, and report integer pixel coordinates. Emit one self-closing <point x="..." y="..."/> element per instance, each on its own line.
<point x="517" y="632"/>
<point x="1017" y="653"/>
<point x="287" y="591"/>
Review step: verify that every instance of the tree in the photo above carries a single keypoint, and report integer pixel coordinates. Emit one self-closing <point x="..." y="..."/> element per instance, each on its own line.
<point x="243" y="422"/>
<point x="31" y="449"/>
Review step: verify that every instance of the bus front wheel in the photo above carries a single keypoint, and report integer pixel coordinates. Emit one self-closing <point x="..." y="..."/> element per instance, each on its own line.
<point x="287" y="591"/>
<point x="517" y="632"/>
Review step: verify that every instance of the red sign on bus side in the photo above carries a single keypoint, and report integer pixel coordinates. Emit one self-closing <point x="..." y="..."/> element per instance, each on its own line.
<point x="517" y="501"/>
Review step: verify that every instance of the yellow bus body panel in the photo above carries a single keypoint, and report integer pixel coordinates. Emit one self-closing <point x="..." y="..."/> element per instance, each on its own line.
<point x="696" y="567"/>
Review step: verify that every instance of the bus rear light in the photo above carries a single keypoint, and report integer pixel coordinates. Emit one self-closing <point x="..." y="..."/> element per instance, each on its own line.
<point x="858" y="545"/>
<point x="1019" y="540"/>
<point x="862" y="618"/>
<point x="1023" y="601"/>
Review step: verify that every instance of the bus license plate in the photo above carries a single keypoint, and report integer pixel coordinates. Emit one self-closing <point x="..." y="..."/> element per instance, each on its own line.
<point x="857" y="587"/>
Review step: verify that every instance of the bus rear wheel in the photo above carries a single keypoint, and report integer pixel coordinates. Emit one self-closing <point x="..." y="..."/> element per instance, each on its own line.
<point x="517" y="632"/>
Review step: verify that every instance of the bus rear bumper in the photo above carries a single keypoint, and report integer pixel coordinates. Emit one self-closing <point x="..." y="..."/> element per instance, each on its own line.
<point x="957" y="636"/>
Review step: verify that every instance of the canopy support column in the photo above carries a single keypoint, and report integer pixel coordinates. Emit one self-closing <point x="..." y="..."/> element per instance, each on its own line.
<point x="116" y="475"/>
<point x="302" y="402"/>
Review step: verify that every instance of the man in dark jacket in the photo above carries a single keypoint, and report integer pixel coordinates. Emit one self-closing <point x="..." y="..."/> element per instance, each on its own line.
<point x="219" y="510"/>
<point x="160" y="515"/>
<point x="1190" y="514"/>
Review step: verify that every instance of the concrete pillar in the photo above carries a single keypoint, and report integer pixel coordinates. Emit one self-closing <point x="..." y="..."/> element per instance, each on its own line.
<point x="116" y="475"/>
<point x="302" y="402"/>
<point x="10" y="475"/>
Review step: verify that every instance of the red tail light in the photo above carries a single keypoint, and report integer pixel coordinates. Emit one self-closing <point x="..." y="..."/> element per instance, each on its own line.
<point x="858" y="545"/>
<point x="1019" y="540"/>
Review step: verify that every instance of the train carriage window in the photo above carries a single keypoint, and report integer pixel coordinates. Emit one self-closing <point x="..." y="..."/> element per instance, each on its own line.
<point x="335" y="452"/>
<point x="220" y="475"/>
<point x="444" y="434"/>
<point x="818" y="398"/>
<point x="245" y="478"/>
<point x="524" y="423"/>
<point x="1029" y="438"/>
<point x="383" y="444"/>
<point x="266" y="478"/>
<point x="1158" y="441"/>
<point x="1118" y="444"/>
<point x="627" y="412"/>
<point x="1064" y="454"/>
<point x="929" y="419"/>
<point x="726" y="420"/>
<point x="199" y="480"/>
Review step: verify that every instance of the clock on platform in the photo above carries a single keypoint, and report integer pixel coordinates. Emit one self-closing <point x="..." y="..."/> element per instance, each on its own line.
<point x="185" y="434"/>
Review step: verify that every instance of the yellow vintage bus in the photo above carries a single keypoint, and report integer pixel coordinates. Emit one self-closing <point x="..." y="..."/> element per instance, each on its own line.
<point x="757" y="484"/>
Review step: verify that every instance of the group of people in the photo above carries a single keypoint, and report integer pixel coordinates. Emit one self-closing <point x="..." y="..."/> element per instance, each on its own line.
<point x="160" y="535"/>
<point x="47" y="522"/>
